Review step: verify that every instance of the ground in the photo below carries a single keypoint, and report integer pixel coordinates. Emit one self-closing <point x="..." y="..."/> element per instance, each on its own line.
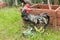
<point x="11" y="27"/>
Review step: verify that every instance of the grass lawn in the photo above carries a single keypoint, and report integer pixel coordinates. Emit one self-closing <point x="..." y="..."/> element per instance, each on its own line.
<point x="11" y="27"/>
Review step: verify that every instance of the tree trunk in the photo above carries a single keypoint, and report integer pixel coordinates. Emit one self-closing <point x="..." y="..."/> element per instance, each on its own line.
<point x="55" y="2"/>
<point x="16" y="2"/>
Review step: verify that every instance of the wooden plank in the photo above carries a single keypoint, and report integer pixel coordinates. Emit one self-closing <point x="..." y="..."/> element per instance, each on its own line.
<point x="58" y="21"/>
<point x="58" y="13"/>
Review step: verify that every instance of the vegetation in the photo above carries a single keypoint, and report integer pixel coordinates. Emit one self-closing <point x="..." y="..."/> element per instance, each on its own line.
<point x="11" y="27"/>
<point x="59" y="2"/>
<point x="17" y="2"/>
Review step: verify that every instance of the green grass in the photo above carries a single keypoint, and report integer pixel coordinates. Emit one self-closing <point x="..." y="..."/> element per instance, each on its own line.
<point x="11" y="27"/>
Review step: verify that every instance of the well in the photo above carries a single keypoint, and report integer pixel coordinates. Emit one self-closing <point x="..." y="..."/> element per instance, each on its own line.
<point x="54" y="15"/>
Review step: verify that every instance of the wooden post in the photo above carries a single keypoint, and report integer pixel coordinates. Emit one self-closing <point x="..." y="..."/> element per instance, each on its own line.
<point x="57" y="9"/>
<point x="49" y="4"/>
<point x="55" y="2"/>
